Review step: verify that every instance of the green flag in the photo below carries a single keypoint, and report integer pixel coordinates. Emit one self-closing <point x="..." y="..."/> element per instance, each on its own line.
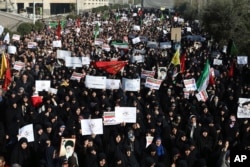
<point x="203" y="80"/>
<point x="162" y="17"/>
<point x="233" y="50"/>
<point x="96" y="30"/>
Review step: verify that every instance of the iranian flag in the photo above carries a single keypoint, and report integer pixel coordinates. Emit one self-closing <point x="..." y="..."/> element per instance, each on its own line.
<point x="120" y="45"/>
<point x="203" y="80"/>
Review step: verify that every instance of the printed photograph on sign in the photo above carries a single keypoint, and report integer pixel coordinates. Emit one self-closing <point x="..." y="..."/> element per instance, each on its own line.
<point x="243" y="108"/>
<point x="67" y="147"/>
<point x="162" y="73"/>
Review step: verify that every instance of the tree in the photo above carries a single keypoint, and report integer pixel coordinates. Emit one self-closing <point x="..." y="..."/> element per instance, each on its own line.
<point x="24" y="28"/>
<point x="228" y="20"/>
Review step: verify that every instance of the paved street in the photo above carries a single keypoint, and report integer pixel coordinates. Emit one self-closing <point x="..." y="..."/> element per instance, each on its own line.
<point x="158" y="3"/>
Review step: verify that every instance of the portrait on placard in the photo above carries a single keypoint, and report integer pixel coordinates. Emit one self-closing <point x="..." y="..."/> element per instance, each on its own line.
<point x="67" y="147"/>
<point x="243" y="108"/>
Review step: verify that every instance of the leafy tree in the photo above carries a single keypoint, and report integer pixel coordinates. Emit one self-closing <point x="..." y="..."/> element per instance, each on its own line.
<point x="25" y="28"/>
<point x="186" y="10"/>
<point x="228" y="19"/>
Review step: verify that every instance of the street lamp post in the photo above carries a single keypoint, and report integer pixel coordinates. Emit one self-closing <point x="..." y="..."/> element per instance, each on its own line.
<point x="34" y="12"/>
<point x="77" y="7"/>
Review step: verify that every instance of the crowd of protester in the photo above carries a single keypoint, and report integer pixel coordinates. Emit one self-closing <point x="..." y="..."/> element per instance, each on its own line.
<point x="187" y="132"/>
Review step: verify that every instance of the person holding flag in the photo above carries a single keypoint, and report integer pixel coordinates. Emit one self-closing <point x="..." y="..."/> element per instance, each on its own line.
<point x="203" y="80"/>
<point x="96" y="30"/>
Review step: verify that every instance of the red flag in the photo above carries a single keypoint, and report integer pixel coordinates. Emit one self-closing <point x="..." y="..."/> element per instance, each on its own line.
<point x="231" y="70"/>
<point x="7" y="79"/>
<point x="111" y="67"/>
<point x="182" y="62"/>
<point x="58" y="30"/>
<point x="36" y="100"/>
<point x="78" y="23"/>
<point x="211" y="76"/>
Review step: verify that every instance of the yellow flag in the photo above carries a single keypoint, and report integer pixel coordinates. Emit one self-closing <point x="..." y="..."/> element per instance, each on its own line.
<point x="176" y="58"/>
<point x="4" y="66"/>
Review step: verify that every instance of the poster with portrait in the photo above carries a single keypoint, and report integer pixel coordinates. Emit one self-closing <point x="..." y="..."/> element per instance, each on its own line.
<point x="243" y="108"/>
<point x="67" y="147"/>
<point x="162" y="73"/>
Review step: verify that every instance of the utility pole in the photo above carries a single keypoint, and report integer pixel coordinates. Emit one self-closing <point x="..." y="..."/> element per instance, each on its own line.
<point x="34" y="12"/>
<point x="77" y="7"/>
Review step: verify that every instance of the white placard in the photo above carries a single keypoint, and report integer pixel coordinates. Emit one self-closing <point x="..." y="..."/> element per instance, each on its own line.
<point x="42" y="85"/>
<point x="91" y="126"/>
<point x="130" y="84"/>
<point x="98" y="41"/>
<point x="139" y="51"/>
<point x="53" y="90"/>
<point x="109" y="118"/>
<point x="113" y="84"/>
<point x="217" y="62"/>
<point x="152" y="44"/>
<point x="162" y="72"/>
<point x="146" y="73"/>
<point x="137" y="58"/>
<point x="136" y="27"/>
<point x="202" y="96"/>
<point x="19" y="65"/>
<point x="136" y="40"/>
<point x="1" y="29"/>
<point x="190" y="84"/>
<point x="57" y="44"/>
<point x="76" y="76"/>
<point x="125" y="114"/>
<point x="243" y="108"/>
<point x="149" y="140"/>
<point x="2" y="48"/>
<point x="85" y="60"/>
<point x="153" y="83"/>
<point x="242" y="59"/>
<point x="189" y="29"/>
<point x="106" y="47"/>
<point x="32" y="45"/>
<point x="26" y="131"/>
<point x="12" y="49"/>
<point x="16" y="37"/>
<point x="165" y="45"/>
<point x="61" y="54"/>
<point x="95" y="82"/>
<point x="73" y="62"/>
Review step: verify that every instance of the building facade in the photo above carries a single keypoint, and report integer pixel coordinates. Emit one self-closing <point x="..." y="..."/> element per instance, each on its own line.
<point x="51" y="7"/>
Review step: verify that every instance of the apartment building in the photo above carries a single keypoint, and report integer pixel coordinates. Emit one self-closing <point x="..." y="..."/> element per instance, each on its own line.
<point x="51" y="7"/>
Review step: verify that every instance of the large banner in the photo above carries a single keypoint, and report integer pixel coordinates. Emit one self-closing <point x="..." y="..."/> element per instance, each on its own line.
<point x="125" y="114"/>
<point x="91" y="126"/>
<point x="153" y="83"/>
<point x="243" y="108"/>
<point x="131" y="84"/>
<point x="95" y="82"/>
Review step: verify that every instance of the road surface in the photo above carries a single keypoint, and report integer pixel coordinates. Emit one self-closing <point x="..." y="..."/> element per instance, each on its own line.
<point x="158" y="3"/>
